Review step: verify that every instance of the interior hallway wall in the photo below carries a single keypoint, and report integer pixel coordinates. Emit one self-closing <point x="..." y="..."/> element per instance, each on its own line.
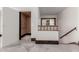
<point x="35" y="21"/>
<point x="0" y="22"/>
<point x="67" y="20"/>
<point x="34" y="18"/>
<point x="47" y="35"/>
<point x="10" y="27"/>
<point x="1" y="25"/>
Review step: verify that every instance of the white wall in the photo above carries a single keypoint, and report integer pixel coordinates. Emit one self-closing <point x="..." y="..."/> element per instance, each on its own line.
<point x="10" y="27"/>
<point x="7" y="13"/>
<point x="34" y="18"/>
<point x="48" y="16"/>
<point x="67" y="20"/>
<point x="78" y="19"/>
<point x="0" y="21"/>
<point x="9" y="17"/>
<point x="35" y="21"/>
<point x="1" y="25"/>
<point x="47" y="35"/>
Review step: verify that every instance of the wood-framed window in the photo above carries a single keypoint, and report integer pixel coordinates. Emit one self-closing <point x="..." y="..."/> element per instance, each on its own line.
<point x="48" y="21"/>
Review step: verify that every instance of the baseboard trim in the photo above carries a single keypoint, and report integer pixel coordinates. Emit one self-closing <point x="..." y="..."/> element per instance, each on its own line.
<point x="33" y="39"/>
<point x="25" y="34"/>
<point x="46" y="42"/>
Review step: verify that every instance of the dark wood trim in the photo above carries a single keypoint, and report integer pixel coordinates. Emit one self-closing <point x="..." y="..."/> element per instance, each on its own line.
<point x="46" y="42"/>
<point x="0" y="35"/>
<point x="19" y="25"/>
<point x="54" y="21"/>
<point x="68" y="32"/>
<point x="48" y="18"/>
<point x="25" y="34"/>
<point x="33" y="39"/>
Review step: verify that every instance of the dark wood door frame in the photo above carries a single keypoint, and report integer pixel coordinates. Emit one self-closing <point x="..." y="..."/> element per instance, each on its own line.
<point x="19" y="25"/>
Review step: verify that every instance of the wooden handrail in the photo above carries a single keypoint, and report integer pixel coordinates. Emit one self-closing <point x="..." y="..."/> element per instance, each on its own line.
<point x="68" y="32"/>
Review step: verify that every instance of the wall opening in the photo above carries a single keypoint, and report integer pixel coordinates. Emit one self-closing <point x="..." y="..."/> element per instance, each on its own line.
<point x="24" y="24"/>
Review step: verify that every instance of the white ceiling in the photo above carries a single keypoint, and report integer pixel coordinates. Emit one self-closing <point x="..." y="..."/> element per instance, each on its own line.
<point x="50" y="10"/>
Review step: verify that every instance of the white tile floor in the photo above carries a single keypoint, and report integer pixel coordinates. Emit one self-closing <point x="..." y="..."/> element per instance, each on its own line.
<point x="25" y="45"/>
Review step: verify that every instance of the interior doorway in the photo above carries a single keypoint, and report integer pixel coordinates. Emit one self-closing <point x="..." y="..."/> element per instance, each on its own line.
<point x="25" y="24"/>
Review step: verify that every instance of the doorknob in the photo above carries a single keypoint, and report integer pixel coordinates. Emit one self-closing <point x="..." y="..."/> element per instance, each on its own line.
<point x="0" y="35"/>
